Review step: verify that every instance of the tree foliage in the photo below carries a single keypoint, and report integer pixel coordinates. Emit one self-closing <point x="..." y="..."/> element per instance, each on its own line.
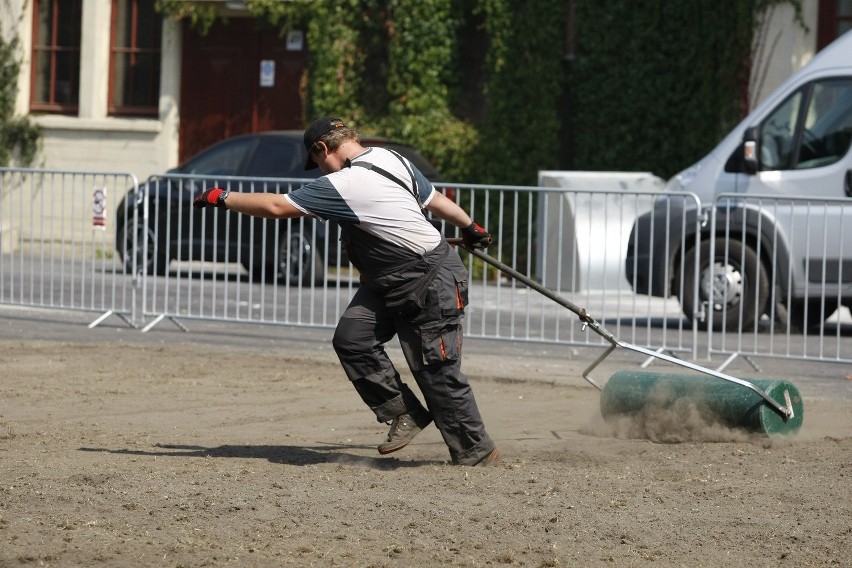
<point x="19" y="137"/>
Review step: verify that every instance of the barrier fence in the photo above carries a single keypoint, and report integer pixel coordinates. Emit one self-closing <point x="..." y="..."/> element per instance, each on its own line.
<point x="798" y="253"/>
<point x="56" y="246"/>
<point x="216" y="264"/>
<point x="638" y="261"/>
<point x="574" y="243"/>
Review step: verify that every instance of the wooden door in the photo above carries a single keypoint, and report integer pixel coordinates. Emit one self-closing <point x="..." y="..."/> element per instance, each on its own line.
<point x="221" y="91"/>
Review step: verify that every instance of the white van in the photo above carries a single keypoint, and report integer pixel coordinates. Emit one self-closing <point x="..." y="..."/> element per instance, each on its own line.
<point x="795" y="143"/>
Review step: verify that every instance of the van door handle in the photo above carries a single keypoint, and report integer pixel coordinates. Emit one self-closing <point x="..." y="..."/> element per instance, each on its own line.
<point x="847" y="185"/>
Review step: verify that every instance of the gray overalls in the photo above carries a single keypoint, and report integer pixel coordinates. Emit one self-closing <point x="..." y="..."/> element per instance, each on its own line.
<point x="431" y="340"/>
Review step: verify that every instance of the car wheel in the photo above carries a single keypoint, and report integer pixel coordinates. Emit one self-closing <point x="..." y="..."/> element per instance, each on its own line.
<point x="733" y="287"/>
<point x="297" y="262"/>
<point x="156" y="261"/>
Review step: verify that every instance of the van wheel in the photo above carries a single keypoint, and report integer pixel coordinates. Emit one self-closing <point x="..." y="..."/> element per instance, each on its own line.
<point x="733" y="289"/>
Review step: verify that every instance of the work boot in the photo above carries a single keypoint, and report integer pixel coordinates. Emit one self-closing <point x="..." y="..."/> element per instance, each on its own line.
<point x="403" y="429"/>
<point x="491" y="459"/>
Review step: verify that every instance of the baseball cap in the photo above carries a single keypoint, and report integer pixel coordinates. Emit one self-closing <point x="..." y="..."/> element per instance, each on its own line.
<point x="317" y="129"/>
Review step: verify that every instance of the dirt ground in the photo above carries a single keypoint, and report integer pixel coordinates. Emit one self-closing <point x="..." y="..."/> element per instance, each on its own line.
<point x="178" y="449"/>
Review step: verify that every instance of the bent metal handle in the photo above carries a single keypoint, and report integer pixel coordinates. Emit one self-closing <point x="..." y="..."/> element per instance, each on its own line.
<point x="505" y="268"/>
<point x="614" y="342"/>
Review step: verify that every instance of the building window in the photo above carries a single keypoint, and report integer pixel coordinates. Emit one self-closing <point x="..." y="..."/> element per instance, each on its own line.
<point x="834" y="20"/>
<point x="134" y="58"/>
<point x="844" y="17"/>
<point x="56" y="56"/>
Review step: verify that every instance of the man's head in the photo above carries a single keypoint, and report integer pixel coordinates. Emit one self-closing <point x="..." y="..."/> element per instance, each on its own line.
<point x="326" y="134"/>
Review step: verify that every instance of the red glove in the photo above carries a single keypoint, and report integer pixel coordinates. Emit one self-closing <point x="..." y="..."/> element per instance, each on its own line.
<point x="475" y="236"/>
<point x="214" y="196"/>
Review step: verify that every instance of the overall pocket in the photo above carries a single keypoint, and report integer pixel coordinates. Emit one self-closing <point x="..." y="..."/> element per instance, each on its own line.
<point x="408" y="299"/>
<point x="441" y="342"/>
<point x="455" y="293"/>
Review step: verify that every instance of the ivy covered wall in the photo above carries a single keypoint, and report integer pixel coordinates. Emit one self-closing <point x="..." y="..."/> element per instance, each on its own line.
<point x="484" y="87"/>
<point x="655" y="89"/>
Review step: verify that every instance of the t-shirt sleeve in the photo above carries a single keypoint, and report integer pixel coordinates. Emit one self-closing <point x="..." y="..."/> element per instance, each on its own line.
<point x="425" y="189"/>
<point x="321" y="199"/>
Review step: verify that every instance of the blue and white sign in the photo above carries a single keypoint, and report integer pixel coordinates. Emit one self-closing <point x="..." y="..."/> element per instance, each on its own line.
<point x="267" y="73"/>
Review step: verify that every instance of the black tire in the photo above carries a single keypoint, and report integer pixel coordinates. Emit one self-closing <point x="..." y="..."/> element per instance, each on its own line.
<point x="297" y="262"/>
<point x="156" y="262"/>
<point x="737" y="288"/>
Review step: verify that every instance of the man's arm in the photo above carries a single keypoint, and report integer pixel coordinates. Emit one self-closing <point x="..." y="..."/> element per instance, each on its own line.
<point x="473" y="235"/>
<point x="269" y="205"/>
<point x="447" y="210"/>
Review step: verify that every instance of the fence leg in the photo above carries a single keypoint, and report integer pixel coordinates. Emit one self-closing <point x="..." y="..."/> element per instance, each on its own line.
<point x="104" y="316"/>
<point x="733" y="356"/>
<point x="160" y="318"/>
<point x="727" y="362"/>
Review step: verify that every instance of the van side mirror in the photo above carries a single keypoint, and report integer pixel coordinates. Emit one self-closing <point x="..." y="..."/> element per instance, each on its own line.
<point x="750" y="150"/>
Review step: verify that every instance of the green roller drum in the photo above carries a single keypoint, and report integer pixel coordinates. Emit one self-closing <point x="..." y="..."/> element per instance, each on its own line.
<point x="733" y="405"/>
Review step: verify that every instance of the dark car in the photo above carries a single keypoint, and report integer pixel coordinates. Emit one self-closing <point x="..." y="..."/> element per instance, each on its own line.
<point x="286" y="251"/>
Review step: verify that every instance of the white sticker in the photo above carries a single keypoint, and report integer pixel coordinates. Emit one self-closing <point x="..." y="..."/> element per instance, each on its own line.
<point x="99" y="208"/>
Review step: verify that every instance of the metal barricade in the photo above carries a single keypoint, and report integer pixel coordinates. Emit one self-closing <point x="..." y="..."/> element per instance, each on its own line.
<point x="219" y="265"/>
<point x="57" y="240"/>
<point x="214" y="264"/>
<point x="576" y="243"/>
<point x="640" y="262"/>
<point x="795" y="257"/>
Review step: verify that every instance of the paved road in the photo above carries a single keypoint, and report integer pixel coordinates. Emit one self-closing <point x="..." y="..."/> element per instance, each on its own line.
<point x="517" y="360"/>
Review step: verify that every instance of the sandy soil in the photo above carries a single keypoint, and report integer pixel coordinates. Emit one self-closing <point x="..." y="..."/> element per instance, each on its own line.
<point x="181" y="453"/>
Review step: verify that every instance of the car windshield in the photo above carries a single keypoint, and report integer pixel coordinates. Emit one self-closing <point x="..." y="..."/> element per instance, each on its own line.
<point x="223" y="159"/>
<point x="278" y="158"/>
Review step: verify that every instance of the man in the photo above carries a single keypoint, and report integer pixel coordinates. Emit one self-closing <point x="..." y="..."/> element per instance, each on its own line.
<point x="413" y="284"/>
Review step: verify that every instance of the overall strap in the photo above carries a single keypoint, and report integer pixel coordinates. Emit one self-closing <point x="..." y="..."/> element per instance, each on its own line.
<point x="383" y="172"/>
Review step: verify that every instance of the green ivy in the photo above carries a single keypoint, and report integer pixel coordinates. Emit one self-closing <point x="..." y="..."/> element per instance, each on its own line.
<point x="421" y="50"/>
<point x="19" y="137"/>
<point x="656" y="88"/>
<point x="336" y="62"/>
<point x="525" y="78"/>
<point x="199" y="15"/>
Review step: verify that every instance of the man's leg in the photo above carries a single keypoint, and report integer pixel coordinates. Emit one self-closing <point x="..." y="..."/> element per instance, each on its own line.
<point x="434" y="355"/>
<point x="359" y="342"/>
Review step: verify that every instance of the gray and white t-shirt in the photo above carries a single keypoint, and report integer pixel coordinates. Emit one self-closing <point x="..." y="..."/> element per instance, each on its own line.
<point x="379" y="209"/>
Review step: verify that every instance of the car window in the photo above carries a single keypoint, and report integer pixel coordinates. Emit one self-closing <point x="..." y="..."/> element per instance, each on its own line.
<point x="277" y="158"/>
<point x="222" y="159"/>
